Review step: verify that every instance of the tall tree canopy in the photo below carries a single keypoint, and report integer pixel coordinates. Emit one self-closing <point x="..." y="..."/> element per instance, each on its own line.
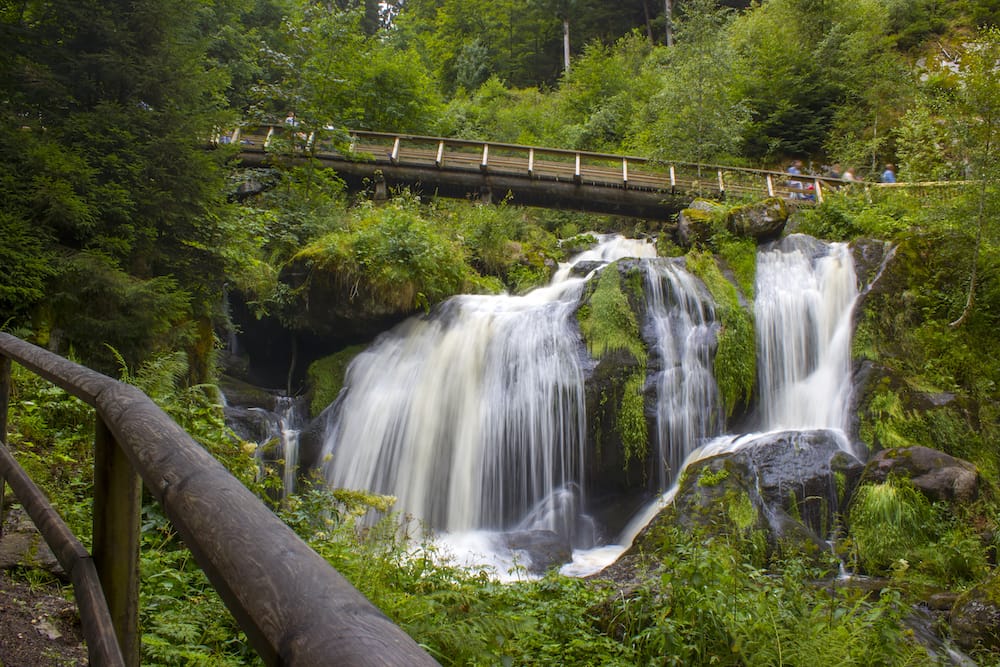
<point x="107" y="107"/>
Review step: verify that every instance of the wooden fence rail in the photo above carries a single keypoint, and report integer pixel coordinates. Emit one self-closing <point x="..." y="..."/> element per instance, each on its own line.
<point x="294" y="607"/>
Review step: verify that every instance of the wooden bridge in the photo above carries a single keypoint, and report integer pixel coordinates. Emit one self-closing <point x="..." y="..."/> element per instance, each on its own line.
<point x="529" y="175"/>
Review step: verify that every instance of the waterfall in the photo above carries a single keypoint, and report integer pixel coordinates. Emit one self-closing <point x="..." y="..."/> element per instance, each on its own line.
<point x="289" y="426"/>
<point x="682" y="343"/>
<point x="805" y="297"/>
<point x="473" y="416"/>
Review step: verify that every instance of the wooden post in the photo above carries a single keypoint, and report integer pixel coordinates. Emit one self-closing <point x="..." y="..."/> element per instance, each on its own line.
<point x="576" y="169"/>
<point x="117" y="506"/>
<point x="486" y="157"/>
<point x="440" y="156"/>
<point x="722" y="185"/>
<point x="4" y="404"/>
<point x="531" y="161"/>
<point x="625" y="172"/>
<point x="394" y="156"/>
<point x="819" y="192"/>
<point x="770" y="186"/>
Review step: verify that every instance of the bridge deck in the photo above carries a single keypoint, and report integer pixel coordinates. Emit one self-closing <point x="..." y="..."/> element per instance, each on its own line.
<point x="530" y="175"/>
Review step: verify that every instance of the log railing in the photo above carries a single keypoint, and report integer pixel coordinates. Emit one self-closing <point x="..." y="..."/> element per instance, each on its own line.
<point x="294" y="607"/>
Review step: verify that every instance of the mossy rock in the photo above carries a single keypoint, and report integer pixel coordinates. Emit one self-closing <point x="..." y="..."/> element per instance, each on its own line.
<point x="937" y="475"/>
<point x="695" y="226"/>
<point x="788" y="487"/>
<point x="762" y="221"/>
<point x="326" y="378"/>
<point x="975" y="618"/>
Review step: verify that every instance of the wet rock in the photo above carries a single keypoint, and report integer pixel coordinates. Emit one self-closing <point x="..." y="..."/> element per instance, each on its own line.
<point x="975" y="618"/>
<point x="540" y="550"/>
<point x="937" y="475"/>
<point x="789" y="484"/>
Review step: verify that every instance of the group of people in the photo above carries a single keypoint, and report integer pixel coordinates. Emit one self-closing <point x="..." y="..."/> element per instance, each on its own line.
<point x="888" y="174"/>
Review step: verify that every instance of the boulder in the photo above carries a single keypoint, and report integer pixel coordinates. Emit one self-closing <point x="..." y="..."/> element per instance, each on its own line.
<point x="975" y="618"/>
<point x="937" y="475"/>
<point x="790" y="484"/>
<point x="328" y="304"/>
<point x="694" y="226"/>
<point x="538" y="550"/>
<point x="761" y="221"/>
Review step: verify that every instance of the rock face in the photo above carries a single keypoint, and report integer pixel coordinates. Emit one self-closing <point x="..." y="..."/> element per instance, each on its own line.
<point x="327" y="305"/>
<point x="790" y="484"/>
<point x="936" y="474"/>
<point x="761" y="221"/>
<point x="975" y="618"/>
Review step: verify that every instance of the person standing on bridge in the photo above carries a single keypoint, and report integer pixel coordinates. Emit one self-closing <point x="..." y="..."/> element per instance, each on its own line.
<point x="889" y="175"/>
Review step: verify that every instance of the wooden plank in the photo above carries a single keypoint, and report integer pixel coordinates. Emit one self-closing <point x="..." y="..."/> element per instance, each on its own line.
<point x="117" y="509"/>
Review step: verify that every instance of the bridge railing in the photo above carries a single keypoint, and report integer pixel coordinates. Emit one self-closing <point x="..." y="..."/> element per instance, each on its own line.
<point x="294" y="607"/>
<point x="585" y="167"/>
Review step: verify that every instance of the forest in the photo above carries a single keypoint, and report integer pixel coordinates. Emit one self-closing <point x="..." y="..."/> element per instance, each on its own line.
<point x="125" y="238"/>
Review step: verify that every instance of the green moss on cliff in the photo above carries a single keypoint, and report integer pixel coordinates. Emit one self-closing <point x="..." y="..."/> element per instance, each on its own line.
<point x="736" y="356"/>
<point x="632" y="419"/>
<point x="326" y="377"/>
<point x="607" y="321"/>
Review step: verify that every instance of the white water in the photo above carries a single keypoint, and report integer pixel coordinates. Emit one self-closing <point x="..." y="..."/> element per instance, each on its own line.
<point x="474" y="417"/>
<point x="682" y="319"/>
<point x="805" y="294"/>
<point x="803" y="313"/>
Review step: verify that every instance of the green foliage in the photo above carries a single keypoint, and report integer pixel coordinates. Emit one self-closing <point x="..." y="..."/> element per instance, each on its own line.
<point x="182" y="617"/>
<point x="631" y="418"/>
<point x="23" y="247"/>
<point x="51" y="436"/>
<point x="710" y="606"/>
<point x="893" y="527"/>
<point x="735" y="363"/>
<point x="697" y="115"/>
<point x="607" y="321"/>
<point x="708" y="477"/>
<point x="887" y="521"/>
<point x="95" y="304"/>
<point x="842" y="217"/>
<point x="326" y="377"/>
<point x="395" y="254"/>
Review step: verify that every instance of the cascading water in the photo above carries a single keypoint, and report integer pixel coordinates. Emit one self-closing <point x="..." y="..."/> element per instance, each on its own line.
<point x="805" y="296"/>
<point x="683" y="334"/>
<point x="473" y="417"/>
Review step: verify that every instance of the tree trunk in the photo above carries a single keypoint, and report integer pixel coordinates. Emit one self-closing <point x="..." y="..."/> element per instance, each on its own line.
<point x="668" y="15"/>
<point x="566" y="44"/>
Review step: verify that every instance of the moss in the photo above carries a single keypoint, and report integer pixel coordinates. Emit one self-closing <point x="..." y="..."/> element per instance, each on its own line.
<point x="607" y="321"/>
<point x="709" y="477"/>
<point x="326" y="377"/>
<point x="742" y="512"/>
<point x="631" y="419"/>
<point x="735" y="364"/>
<point x="740" y="254"/>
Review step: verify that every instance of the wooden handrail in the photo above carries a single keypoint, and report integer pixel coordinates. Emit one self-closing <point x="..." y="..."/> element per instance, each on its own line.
<point x="294" y="607"/>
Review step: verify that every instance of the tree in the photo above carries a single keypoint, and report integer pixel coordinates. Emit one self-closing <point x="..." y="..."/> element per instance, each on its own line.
<point x="697" y="114"/>
<point x="977" y="122"/>
<point x="108" y="106"/>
